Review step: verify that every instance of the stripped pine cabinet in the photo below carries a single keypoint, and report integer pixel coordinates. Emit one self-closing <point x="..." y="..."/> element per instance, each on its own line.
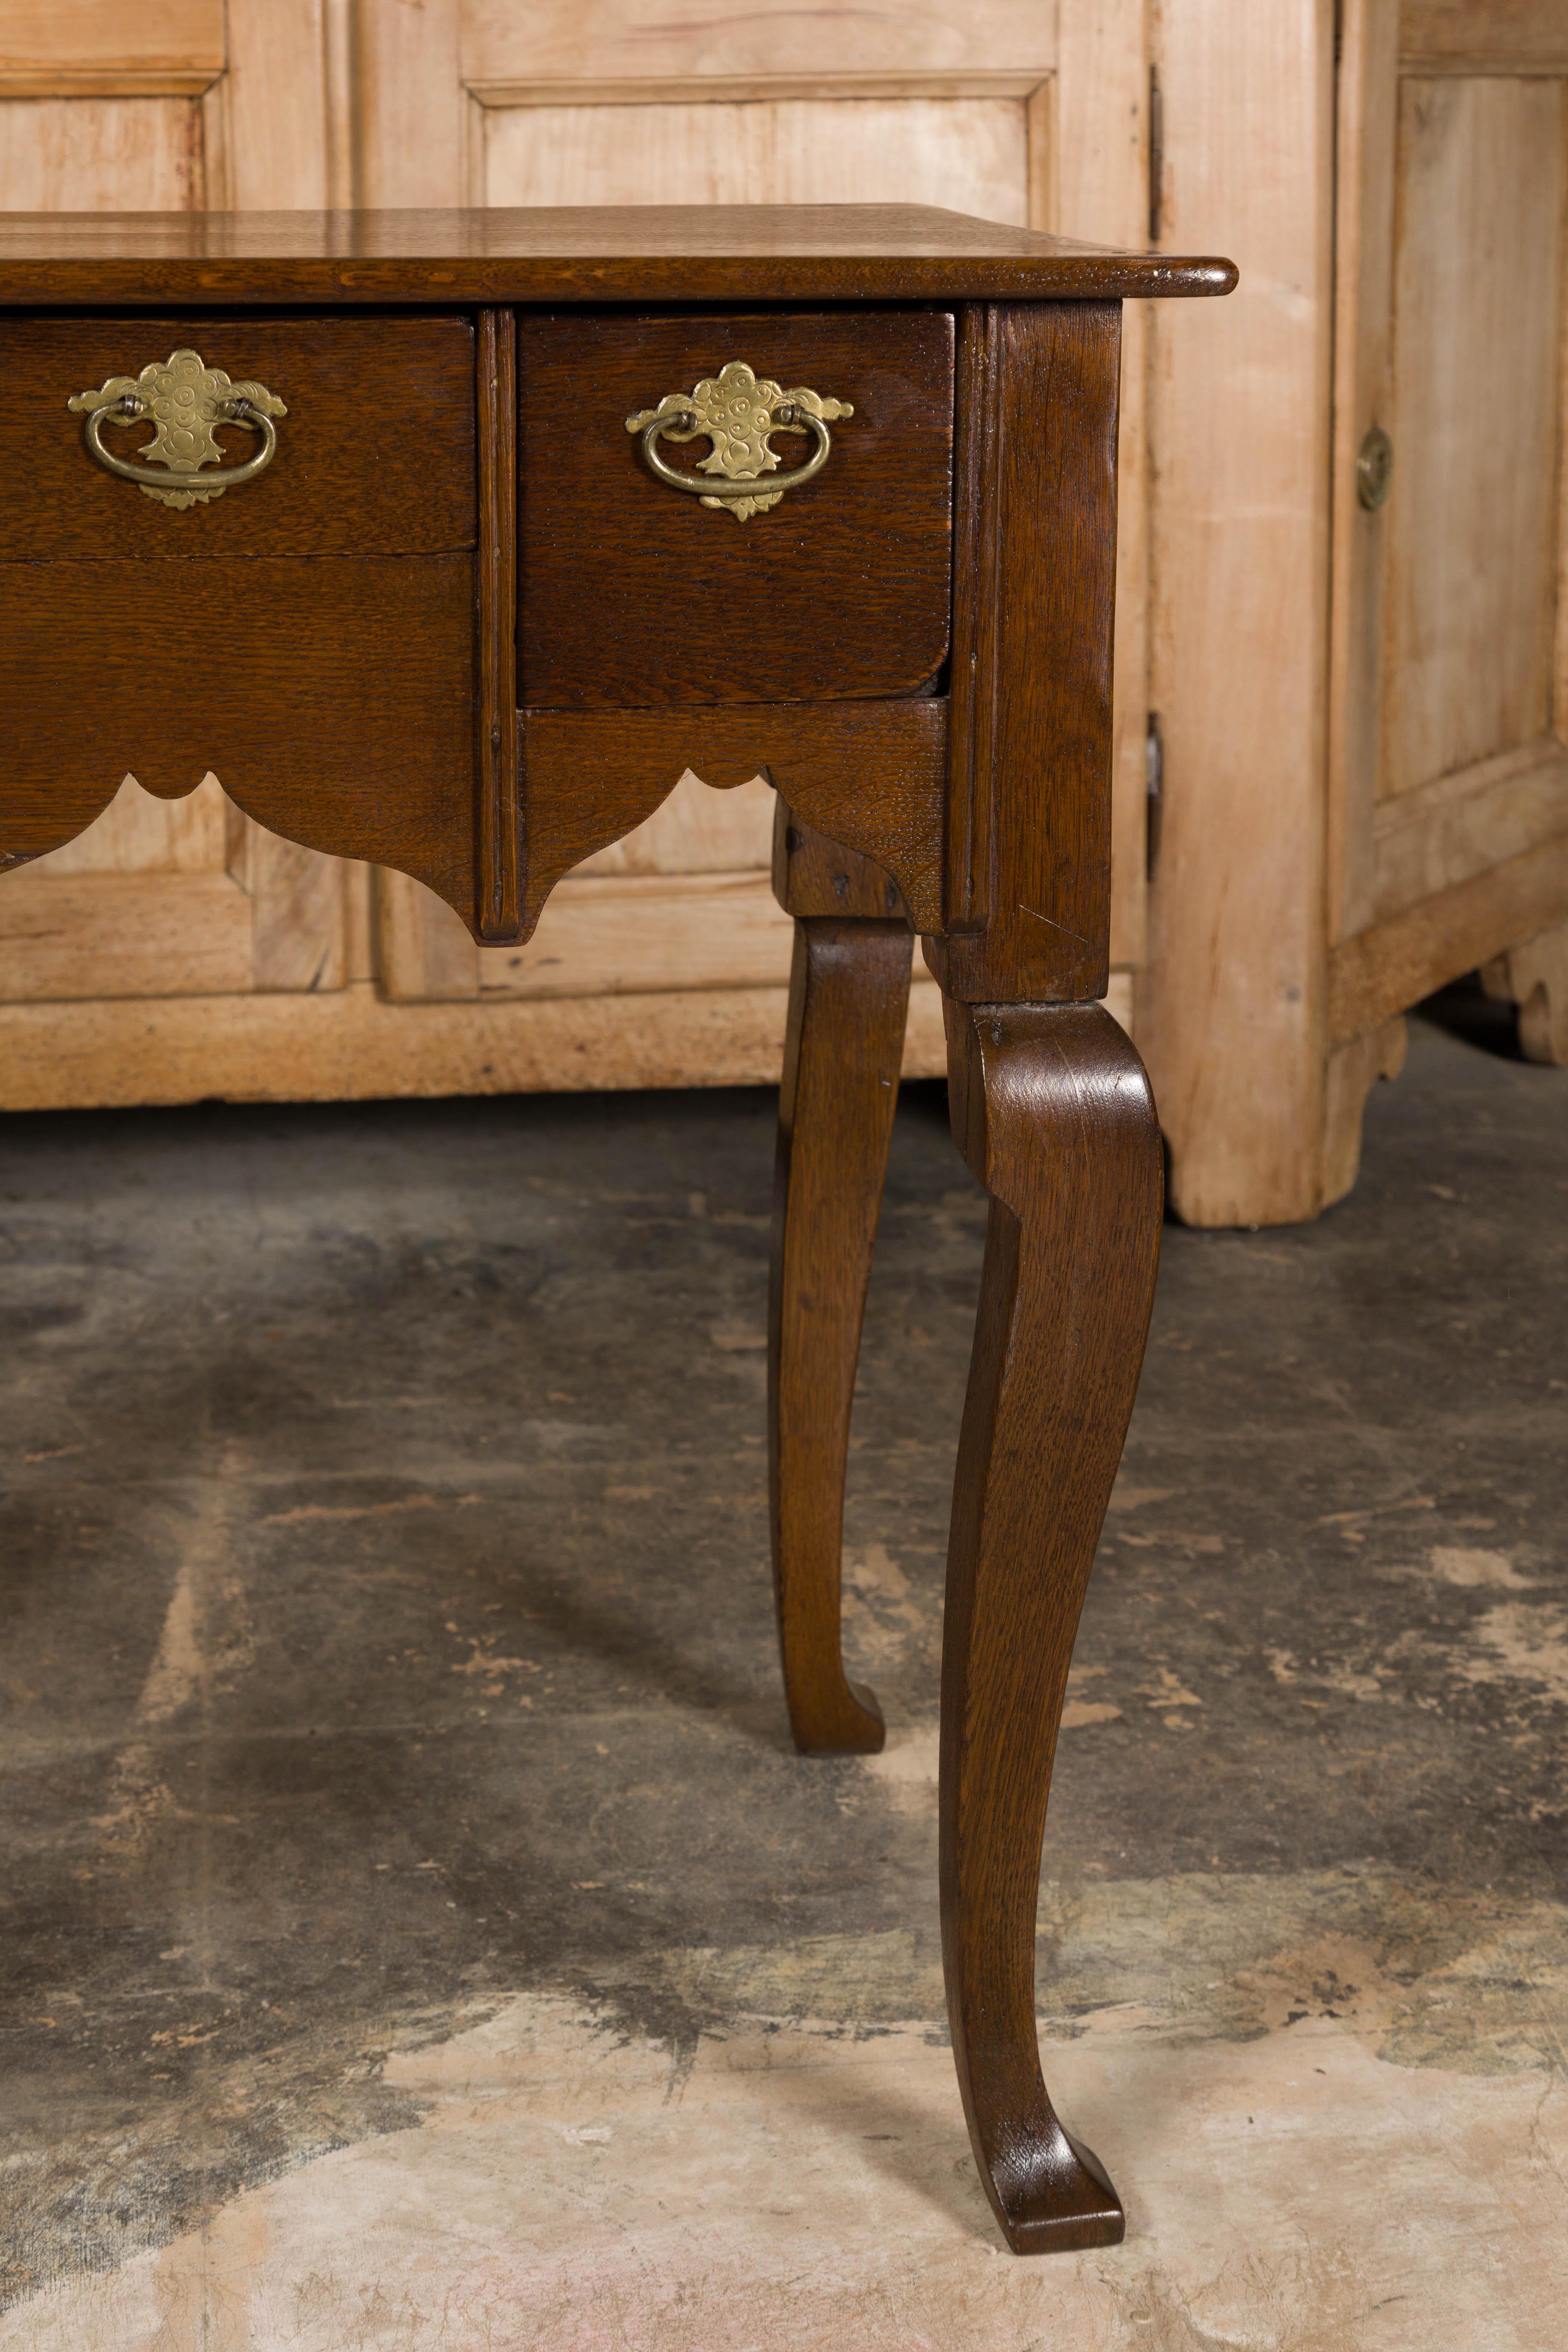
<point x="1366" y="485"/>
<point x="1361" y="721"/>
<point x="1448" y="745"/>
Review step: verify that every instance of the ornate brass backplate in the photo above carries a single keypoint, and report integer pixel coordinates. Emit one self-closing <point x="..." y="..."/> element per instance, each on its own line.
<point x="737" y="411"/>
<point x="186" y="399"/>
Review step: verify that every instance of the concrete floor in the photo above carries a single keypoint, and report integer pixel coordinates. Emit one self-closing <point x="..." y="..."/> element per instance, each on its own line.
<point x="418" y="1929"/>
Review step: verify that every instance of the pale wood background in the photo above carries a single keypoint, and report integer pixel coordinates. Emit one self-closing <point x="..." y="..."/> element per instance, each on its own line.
<point x="1329" y="857"/>
<point x="1367" y="780"/>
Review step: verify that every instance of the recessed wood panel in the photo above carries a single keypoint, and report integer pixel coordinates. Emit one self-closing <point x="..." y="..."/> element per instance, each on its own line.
<point x="100" y="155"/>
<point x="970" y="153"/>
<point x="374" y="457"/>
<point x="99" y="47"/>
<point x="551" y="39"/>
<point x="839" y="593"/>
<point x="1475" y="37"/>
<point x="689" y="930"/>
<point x="110" y="935"/>
<point x="1472" y="515"/>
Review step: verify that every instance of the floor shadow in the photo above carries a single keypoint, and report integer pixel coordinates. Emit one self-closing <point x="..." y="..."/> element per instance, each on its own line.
<point x="870" y="2107"/>
<point x="647" y="1658"/>
<point x="1464" y="1010"/>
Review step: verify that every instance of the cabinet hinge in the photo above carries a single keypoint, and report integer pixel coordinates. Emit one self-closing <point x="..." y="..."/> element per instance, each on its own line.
<point x="1154" y="790"/>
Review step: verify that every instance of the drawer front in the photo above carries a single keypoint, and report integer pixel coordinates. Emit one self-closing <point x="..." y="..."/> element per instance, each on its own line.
<point x="374" y="456"/>
<point x="634" y="592"/>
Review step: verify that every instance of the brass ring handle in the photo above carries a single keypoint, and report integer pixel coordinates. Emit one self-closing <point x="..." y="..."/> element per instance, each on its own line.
<point x="716" y="486"/>
<point x="228" y="477"/>
<point x="736" y="412"/>
<point x="182" y="465"/>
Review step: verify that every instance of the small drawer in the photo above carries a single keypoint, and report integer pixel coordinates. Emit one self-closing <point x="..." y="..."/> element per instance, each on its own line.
<point x="635" y="593"/>
<point x="374" y="456"/>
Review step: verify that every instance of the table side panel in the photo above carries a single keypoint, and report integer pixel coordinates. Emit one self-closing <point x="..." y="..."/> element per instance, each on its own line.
<point x="1030" y="776"/>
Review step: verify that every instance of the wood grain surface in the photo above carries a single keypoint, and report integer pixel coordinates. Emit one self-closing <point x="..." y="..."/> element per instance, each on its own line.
<point x="1052" y="1110"/>
<point x="375" y="458"/>
<point x="868" y="774"/>
<point x="1229" y="1008"/>
<point x="1476" y="417"/>
<point x="849" y="989"/>
<point x="334" y="700"/>
<point x="839" y="592"/>
<point x="815" y="876"/>
<point x="643" y="253"/>
<point x="496" y="913"/>
<point x="1392" y="965"/>
<point x="1028" y="883"/>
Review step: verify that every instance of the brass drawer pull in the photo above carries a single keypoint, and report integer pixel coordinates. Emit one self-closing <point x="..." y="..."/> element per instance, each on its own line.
<point x="737" y="414"/>
<point x="186" y="399"/>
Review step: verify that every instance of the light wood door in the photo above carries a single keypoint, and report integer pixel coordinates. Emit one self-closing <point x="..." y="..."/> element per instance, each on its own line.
<point x="1390" y="181"/>
<point x="1448" y="744"/>
<point x="987" y="109"/>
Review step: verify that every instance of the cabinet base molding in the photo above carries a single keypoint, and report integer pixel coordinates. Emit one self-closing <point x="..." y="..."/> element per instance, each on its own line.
<point x="1353" y="1071"/>
<point x="1385" y="969"/>
<point x="1535" y="978"/>
<point x="352" y="1045"/>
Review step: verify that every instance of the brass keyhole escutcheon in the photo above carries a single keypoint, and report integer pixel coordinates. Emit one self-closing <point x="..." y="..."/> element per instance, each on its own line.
<point x="1373" y="468"/>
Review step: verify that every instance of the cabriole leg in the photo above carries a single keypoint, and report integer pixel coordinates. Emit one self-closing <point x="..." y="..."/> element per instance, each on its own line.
<point x="1052" y="1109"/>
<point x="849" y="997"/>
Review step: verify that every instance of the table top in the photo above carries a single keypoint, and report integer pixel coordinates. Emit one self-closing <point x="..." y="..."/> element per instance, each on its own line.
<point x="676" y="253"/>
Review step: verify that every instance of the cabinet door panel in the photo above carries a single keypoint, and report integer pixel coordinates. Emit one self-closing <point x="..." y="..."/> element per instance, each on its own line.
<point x="820" y="150"/>
<point x="88" y="155"/>
<point x="1449" y="733"/>
<point x="1472" y="527"/>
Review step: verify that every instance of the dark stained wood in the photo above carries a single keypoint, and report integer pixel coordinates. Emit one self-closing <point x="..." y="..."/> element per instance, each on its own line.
<point x="839" y="592"/>
<point x="1051" y="1108"/>
<point x="333" y="700"/>
<point x="1029" y="816"/>
<point x="327" y="641"/>
<point x="814" y="876"/>
<point x="850" y="989"/>
<point x="868" y="774"/>
<point x="977" y="551"/>
<point x="375" y="458"/>
<point x="498" y="913"/>
<point x="645" y="254"/>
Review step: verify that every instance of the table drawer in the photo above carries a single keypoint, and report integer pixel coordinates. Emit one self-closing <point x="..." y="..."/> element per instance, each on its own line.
<point x="374" y="455"/>
<point x="634" y="592"/>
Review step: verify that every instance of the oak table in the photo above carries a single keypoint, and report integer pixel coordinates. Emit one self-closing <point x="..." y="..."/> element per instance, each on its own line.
<point x="450" y="540"/>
